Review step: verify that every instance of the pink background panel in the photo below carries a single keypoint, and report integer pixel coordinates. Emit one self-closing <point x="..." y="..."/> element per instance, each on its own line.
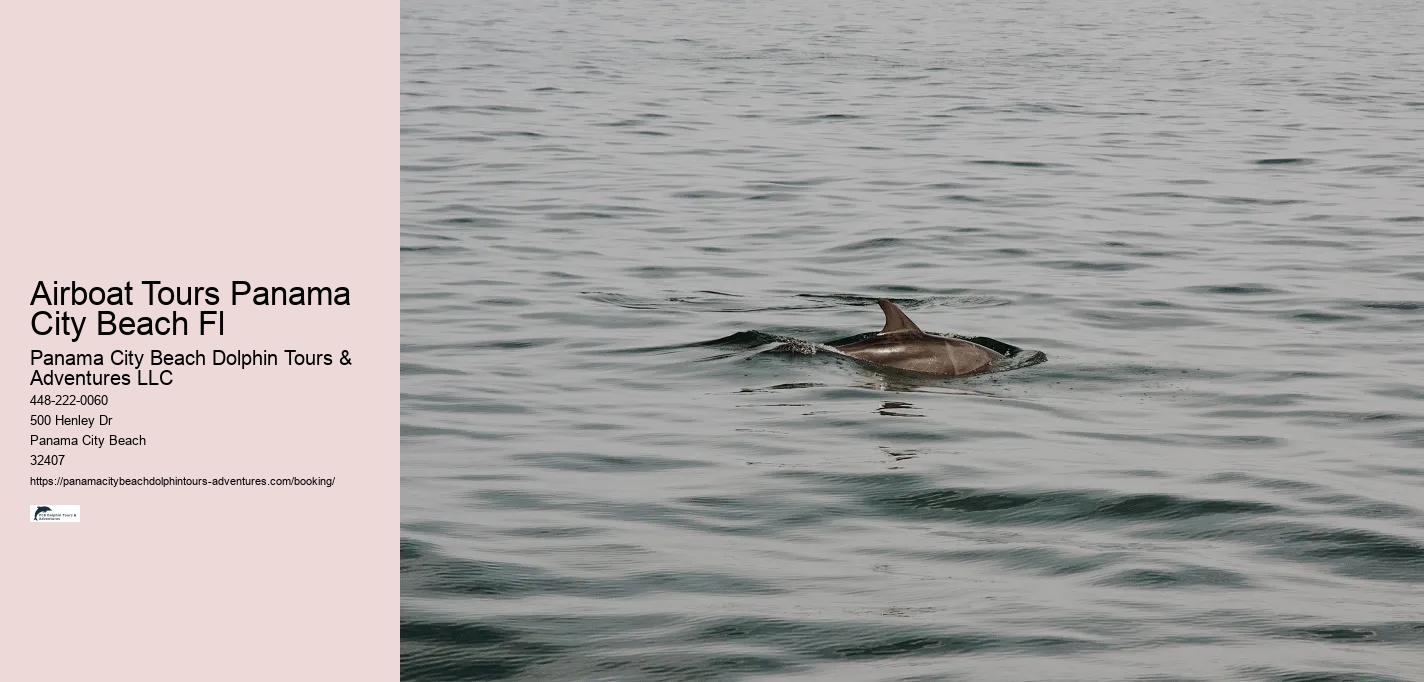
<point x="198" y="143"/>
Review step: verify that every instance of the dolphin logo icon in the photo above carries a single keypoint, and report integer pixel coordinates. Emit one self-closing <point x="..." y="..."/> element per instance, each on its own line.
<point x="40" y="510"/>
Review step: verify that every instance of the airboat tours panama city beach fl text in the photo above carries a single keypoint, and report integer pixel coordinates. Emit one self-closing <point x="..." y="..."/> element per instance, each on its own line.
<point x="76" y="404"/>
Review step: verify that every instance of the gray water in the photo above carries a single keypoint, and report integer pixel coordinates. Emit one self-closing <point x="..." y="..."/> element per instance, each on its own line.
<point x="1207" y="214"/>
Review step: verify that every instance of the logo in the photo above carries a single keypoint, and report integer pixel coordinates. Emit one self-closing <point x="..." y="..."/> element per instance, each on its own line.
<point x="54" y="513"/>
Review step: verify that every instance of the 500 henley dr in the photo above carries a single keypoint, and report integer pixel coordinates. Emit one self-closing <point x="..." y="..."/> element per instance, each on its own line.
<point x="61" y="323"/>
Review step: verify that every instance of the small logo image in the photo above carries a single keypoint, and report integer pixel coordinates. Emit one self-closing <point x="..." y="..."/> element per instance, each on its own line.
<point x="58" y="512"/>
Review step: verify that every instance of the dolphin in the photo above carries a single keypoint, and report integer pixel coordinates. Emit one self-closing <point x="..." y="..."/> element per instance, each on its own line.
<point x="40" y="510"/>
<point x="902" y="345"/>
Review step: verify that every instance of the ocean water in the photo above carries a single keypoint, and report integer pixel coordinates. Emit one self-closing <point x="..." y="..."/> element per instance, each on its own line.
<point x="1208" y="215"/>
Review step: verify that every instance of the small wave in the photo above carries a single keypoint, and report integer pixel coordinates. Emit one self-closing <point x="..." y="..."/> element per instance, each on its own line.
<point x="1017" y="164"/>
<point x="1235" y="289"/>
<point x="1284" y="162"/>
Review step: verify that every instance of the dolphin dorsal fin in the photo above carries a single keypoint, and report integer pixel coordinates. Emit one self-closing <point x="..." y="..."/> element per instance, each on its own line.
<point x="895" y="319"/>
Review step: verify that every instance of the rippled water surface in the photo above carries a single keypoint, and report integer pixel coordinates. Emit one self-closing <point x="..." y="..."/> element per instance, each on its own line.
<point x="1209" y="216"/>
